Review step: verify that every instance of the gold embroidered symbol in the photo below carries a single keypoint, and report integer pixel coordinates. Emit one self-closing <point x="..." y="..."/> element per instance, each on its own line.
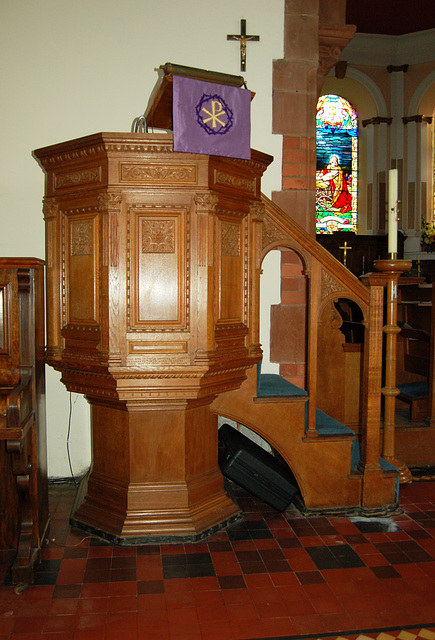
<point x="216" y="111"/>
<point x="214" y="115"/>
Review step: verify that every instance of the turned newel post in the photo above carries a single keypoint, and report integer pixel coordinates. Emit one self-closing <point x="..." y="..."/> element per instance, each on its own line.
<point x="391" y="270"/>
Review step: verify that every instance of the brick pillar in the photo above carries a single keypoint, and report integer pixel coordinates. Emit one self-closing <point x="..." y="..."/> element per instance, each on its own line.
<point x="314" y="36"/>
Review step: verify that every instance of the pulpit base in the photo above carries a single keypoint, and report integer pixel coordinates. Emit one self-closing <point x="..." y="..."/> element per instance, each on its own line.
<point x="155" y="476"/>
<point x="154" y="518"/>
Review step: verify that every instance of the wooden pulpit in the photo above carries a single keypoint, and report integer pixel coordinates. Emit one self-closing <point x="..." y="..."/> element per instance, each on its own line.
<point x="148" y="309"/>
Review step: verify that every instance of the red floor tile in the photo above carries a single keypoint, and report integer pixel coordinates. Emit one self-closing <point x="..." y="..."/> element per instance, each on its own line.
<point x="92" y="605"/>
<point x="292" y="593"/>
<point x="122" y="603"/>
<point x="28" y="624"/>
<point x="209" y="583"/>
<point x="247" y="629"/>
<point x="185" y="599"/>
<point x="212" y="613"/>
<point x="210" y="598"/>
<point x="304" y="624"/>
<point x="265" y="594"/>
<point x="152" y="618"/>
<point x="185" y="616"/>
<point x="242" y="612"/>
<point x="213" y="631"/>
<point x="153" y="634"/>
<point x="59" y="623"/>
<point x="95" y="590"/>
<point x="65" y="606"/>
<point x="126" y="620"/>
<point x="151" y="601"/>
<point x="327" y="604"/>
<point x="268" y="610"/>
<point x="89" y="635"/>
<point x="91" y="621"/>
<point x="299" y="607"/>
<point x="256" y="580"/>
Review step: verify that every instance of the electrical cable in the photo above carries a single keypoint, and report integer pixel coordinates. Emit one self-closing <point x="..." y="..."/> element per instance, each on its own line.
<point x="67" y="440"/>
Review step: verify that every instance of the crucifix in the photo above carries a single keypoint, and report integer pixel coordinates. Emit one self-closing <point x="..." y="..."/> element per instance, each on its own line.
<point x="243" y="39"/>
<point x="345" y="250"/>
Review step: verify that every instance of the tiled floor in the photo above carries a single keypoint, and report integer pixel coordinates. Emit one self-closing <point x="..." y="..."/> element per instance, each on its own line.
<point x="271" y="575"/>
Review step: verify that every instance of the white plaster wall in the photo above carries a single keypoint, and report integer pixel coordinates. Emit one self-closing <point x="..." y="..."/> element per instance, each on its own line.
<point x="270" y="294"/>
<point x="73" y="68"/>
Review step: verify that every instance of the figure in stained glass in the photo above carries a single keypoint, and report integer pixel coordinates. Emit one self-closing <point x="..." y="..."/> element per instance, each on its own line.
<point x="336" y="175"/>
<point x="332" y="180"/>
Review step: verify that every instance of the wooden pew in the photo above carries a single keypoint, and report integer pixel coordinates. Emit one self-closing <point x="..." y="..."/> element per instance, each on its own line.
<point x="415" y="318"/>
<point x="23" y="459"/>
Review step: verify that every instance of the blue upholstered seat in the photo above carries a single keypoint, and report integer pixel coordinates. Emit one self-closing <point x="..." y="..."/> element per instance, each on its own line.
<point x="414" y="389"/>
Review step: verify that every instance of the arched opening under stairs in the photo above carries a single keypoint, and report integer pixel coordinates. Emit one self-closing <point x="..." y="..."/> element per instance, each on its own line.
<point x="283" y="315"/>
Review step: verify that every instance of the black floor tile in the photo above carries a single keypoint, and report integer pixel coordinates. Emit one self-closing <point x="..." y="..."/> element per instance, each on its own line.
<point x="232" y="582"/>
<point x="335" y="557"/>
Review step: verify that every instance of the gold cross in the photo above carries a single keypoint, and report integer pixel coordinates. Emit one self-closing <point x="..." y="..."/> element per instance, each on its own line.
<point x="243" y="39"/>
<point x="345" y="250"/>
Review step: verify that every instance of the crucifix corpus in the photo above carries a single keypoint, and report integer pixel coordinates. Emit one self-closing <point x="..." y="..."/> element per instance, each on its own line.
<point x="345" y="249"/>
<point x="243" y="39"/>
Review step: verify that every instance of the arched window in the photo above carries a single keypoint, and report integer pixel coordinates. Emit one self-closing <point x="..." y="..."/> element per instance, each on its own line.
<point x="337" y="165"/>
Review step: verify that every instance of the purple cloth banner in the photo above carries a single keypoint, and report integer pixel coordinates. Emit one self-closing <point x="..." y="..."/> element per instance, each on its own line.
<point x="211" y="118"/>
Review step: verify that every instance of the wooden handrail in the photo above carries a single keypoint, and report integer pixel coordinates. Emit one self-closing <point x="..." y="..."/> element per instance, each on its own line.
<point x="322" y="255"/>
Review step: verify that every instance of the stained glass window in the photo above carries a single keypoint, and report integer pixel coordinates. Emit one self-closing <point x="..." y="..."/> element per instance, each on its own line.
<point x="337" y="165"/>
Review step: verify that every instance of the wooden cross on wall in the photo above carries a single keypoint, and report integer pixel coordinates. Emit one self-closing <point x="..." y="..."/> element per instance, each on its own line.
<point x="243" y="39"/>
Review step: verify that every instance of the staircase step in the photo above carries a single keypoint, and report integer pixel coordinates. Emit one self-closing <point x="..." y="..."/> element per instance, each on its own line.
<point x="327" y="426"/>
<point x="273" y="385"/>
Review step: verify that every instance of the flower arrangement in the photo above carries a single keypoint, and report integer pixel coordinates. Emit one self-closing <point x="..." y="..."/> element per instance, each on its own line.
<point x="427" y="236"/>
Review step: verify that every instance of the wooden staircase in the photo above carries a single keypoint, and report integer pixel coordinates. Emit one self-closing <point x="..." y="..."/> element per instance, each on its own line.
<point x="334" y="469"/>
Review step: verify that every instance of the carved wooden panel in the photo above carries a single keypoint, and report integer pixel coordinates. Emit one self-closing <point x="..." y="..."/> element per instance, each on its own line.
<point x="81" y="278"/>
<point x="154" y="173"/>
<point x="80" y="177"/>
<point x="231" y="273"/>
<point x="246" y="185"/>
<point x="157" y="266"/>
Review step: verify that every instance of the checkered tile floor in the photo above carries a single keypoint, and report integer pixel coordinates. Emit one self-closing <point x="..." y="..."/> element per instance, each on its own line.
<point x="271" y="575"/>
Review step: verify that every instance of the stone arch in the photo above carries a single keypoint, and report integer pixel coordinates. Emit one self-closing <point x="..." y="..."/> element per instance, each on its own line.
<point x="419" y="93"/>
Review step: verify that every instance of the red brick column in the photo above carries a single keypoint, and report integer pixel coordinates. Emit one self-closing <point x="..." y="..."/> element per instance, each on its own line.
<point x="314" y="36"/>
